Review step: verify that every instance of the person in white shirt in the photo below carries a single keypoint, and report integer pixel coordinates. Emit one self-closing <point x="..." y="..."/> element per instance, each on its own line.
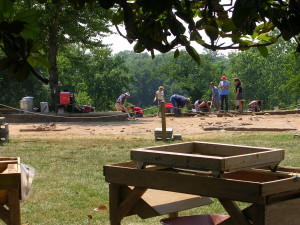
<point x="159" y="97"/>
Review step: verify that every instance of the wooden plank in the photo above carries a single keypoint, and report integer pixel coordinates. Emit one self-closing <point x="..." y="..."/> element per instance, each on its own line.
<point x="285" y="212"/>
<point x="166" y="202"/>
<point x="163" y="121"/>
<point x="4" y="215"/>
<point x="114" y="202"/>
<point x="252" y="160"/>
<point x="227" y="149"/>
<point x="235" y="212"/>
<point x="255" y="176"/>
<point x="189" y="184"/>
<point x="141" y="208"/>
<point x="185" y="147"/>
<point x="14" y="207"/>
<point x="130" y="200"/>
<point x="291" y="183"/>
<point x="180" y="160"/>
<point x="10" y="181"/>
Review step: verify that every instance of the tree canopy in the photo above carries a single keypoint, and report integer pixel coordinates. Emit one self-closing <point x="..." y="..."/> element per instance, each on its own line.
<point x="239" y="24"/>
<point x="159" y="25"/>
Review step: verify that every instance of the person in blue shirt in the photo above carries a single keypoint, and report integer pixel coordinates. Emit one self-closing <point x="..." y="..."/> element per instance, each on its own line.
<point x="215" y="96"/>
<point x="178" y="102"/>
<point x="224" y="92"/>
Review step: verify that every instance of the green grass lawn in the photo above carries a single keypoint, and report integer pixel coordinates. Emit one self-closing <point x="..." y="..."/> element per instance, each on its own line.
<point x="69" y="180"/>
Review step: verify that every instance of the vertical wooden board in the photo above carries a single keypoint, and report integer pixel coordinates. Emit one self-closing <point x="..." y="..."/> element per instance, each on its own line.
<point x="186" y="147"/>
<point x="280" y="213"/>
<point x="14" y="207"/>
<point x="114" y="202"/>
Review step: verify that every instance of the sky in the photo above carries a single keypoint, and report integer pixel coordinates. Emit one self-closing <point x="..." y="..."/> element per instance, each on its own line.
<point x="119" y="43"/>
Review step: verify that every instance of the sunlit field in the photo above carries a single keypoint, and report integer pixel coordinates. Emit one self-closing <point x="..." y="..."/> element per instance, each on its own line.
<point x="69" y="182"/>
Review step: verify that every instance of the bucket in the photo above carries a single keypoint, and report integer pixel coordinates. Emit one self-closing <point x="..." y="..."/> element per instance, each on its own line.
<point x="30" y="99"/>
<point x="60" y="111"/>
<point x="25" y="106"/>
<point x="65" y="98"/>
<point x="44" y="107"/>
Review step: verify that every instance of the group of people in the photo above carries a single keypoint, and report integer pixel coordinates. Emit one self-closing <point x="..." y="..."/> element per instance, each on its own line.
<point x="220" y="97"/>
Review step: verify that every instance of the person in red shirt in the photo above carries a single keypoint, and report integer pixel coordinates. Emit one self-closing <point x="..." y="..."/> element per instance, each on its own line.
<point x="137" y="111"/>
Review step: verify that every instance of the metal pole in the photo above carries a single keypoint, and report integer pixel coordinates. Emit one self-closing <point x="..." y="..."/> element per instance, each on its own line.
<point x="163" y="121"/>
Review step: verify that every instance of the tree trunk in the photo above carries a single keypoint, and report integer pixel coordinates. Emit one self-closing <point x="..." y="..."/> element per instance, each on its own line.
<point x="52" y="56"/>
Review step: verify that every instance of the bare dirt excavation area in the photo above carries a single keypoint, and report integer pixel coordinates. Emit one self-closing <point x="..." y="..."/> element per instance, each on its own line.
<point x="180" y="125"/>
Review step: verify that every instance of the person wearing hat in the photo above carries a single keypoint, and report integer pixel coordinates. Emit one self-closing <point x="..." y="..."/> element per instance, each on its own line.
<point x="224" y="92"/>
<point x="178" y="102"/>
<point x="120" y="101"/>
<point x="159" y="97"/>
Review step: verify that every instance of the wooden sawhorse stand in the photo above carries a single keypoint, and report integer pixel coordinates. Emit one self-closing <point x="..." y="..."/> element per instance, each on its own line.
<point x="10" y="187"/>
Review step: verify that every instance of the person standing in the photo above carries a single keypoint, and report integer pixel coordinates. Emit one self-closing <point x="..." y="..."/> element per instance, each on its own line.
<point x="224" y="92"/>
<point x="178" y="101"/>
<point x="239" y="93"/>
<point x="215" y="96"/>
<point x="120" y="103"/>
<point x="159" y="97"/>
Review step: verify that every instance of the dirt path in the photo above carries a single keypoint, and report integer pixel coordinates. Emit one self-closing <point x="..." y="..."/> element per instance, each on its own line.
<point x="184" y="125"/>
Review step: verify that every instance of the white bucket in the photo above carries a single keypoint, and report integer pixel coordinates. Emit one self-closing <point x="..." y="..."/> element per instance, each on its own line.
<point x="30" y="99"/>
<point x="25" y="105"/>
<point x="44" y="107"/>
<point x="60" y="111"/>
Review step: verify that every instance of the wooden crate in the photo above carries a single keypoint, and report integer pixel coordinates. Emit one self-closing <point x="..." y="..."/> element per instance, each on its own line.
<point x="208" y="156"/>
<point x="10" y="186"/>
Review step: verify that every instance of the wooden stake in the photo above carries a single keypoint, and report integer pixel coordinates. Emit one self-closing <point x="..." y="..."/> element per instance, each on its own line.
<point x="163" y="121"/>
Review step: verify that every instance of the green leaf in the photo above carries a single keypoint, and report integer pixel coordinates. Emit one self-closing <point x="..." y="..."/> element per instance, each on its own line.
<point x="193" y="53"/>
<point x="28" y="16"/>
<point x="138" y="47"/>
<point x="211" y="32"/>
<point x="31" y="31"/>
<point x="118" y="17"/>
<point x="36" y="59"/>
<point x="263" y="51"/>
<point x="176" y="53"/>
<point x="228" y="26"/>
<point x="267" y="38"/>
<point x="195" y="36"/>
<point x="6" y="9"/>
<point x="23" y="72"/>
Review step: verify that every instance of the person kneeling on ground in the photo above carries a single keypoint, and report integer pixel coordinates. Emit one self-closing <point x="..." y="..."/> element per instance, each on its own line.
<point x="203" y="106"/>
<point x="178" y="101"/>
<point x="136" y="111"/>
<point x="255" y="106"/>
<point x="120" y="101"/>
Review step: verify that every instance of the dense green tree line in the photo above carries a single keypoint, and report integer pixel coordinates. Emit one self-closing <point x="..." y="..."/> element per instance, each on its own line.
<point x="275" y="79"/>
<point x="100" y="77"/>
